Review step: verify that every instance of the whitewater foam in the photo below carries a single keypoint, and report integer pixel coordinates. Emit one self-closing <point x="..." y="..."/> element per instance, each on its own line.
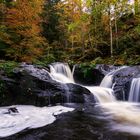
<point x="27" y="117"/>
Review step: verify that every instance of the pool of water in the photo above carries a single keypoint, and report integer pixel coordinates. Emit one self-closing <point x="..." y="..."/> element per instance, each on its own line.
<point x="84" y="123"/>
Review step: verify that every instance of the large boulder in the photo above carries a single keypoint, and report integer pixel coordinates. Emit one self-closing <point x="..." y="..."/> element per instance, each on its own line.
<point x="122" y="81"/>
<point x="33" y="85"/>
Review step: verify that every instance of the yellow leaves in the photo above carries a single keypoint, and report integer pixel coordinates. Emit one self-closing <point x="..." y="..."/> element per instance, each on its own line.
<point x="73" y="20"/>
<point x="23" y="22"/>
<point x="105" y="22"/>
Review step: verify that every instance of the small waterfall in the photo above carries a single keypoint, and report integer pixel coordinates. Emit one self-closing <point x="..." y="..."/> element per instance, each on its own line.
<point x="134" y="94"/>
<point x="61" y="72"/>
<point x="102" y="94"/>
<point x="107" y="81"/>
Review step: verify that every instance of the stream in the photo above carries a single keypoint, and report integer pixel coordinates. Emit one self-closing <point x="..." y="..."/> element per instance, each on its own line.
<point x="107" y="119"/>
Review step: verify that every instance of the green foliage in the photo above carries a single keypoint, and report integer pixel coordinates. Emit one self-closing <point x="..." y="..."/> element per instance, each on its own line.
<point x="46" y="59"/>
<point x="50" y="21"/>
<point x="86" y="68"/>
<point x="8" y="66"/>
<point x="54" y="30"/>
<point x="97" y="60"/>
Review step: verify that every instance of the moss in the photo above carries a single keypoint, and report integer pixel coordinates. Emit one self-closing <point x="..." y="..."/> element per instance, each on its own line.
<point x="86" y="68"/>
<point x="8" y="66"/>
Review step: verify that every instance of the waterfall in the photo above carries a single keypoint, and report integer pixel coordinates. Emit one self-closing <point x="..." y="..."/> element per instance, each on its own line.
<point x="61" y="73"/>
<point x="107" y="80"/>
<point x="101" y="94"/>
<point x="134" y="94"/>
<point x="123" y="116"/>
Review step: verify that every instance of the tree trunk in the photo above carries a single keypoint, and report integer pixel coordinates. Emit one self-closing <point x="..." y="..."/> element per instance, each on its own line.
<point x="116" y="28"/>
<point x="110" y="27"/>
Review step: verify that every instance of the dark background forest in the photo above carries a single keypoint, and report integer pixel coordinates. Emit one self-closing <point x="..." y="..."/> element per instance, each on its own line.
<point x="73" y="31"/>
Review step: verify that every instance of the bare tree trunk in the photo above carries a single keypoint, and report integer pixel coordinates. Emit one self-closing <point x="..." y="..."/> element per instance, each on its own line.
<point x="116" y="28"/>
<point x="111" y="39"/>
<point x="95" y="31"/>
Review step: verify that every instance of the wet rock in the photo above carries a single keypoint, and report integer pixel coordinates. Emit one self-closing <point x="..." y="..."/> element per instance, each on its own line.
<point x="87" y="75"/>
<point x="12" y="110"/>
<point x="122" y="81"/>
<point x="31" y="85"/>
<point x="105" y="69"/>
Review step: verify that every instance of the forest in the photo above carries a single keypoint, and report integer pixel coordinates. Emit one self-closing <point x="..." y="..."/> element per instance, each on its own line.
<point x="73" y="31"/>
<point x="69" y="69"/>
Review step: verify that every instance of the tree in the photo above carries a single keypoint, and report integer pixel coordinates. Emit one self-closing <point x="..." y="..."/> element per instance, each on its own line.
<point x="23" y="22"/>
<point x="50" y="21"/>
<point x="74" y="22"/>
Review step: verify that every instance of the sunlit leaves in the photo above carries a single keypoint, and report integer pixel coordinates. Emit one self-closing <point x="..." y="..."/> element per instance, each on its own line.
<point x="23" y="22"/>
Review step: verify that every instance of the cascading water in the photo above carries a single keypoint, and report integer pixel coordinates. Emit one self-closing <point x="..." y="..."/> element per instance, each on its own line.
<point x="61" y="72"/>
<point x="107" y="80"/>
<point x="27" y="117"/>
<point x="123" y="116"/>
<point x="102" y="94"/>
<point x="134" y="94"/>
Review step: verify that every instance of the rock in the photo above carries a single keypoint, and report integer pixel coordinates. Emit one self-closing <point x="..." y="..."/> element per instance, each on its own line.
<point x="90" y="77"/>
<point x="12" y="110"/>
<point x="122" y="81"/>
<point x="105" y="69"/>
<point x="31" y="85"/>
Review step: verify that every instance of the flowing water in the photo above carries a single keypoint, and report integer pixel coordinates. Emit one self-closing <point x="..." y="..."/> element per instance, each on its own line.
<point x="27" y="117"/>
<point x="134" y="94"/>
<point x="109" y="119"/>
<point x="61" y="73"/>
<point x="124" y="116"/>
<point x="107" y="80"/>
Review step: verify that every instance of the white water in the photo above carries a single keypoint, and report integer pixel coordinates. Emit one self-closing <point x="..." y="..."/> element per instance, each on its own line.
<point x="61" y="73"/>
<point x="102" y="94"/>
<point x="27" y="117"/>
<point x="123" y="116"/>
<point x="108" y="79"/>
<point x="134" y="94"/>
